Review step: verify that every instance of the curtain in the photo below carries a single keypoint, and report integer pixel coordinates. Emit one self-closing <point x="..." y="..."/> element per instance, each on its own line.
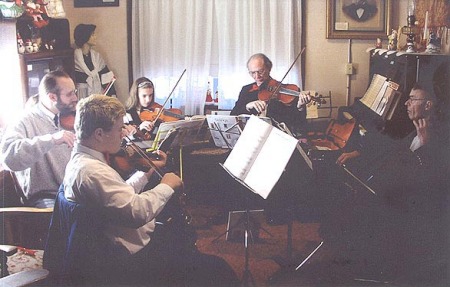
<point x="212" y="38"/>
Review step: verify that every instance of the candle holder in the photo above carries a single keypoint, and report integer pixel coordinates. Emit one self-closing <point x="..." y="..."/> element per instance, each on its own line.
<point x="411" y="30"/>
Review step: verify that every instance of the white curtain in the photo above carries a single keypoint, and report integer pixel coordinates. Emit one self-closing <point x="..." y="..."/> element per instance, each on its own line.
<point x="212" y="38"/>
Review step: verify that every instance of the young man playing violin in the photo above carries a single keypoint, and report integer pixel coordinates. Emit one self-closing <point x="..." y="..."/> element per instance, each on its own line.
<point x="140" y="256"/>
<point x="36" y="148"/>
<point x="293" y="115"/>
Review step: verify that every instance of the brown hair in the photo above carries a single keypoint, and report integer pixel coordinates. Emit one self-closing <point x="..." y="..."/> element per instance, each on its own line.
<point x="133" y="99"/>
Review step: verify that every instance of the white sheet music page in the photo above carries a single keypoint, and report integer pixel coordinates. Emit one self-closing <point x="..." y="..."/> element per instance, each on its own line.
<point x="260" y="156"/>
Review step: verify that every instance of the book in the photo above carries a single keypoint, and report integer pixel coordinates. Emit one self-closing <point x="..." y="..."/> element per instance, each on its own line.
<point x="259" y="156"/>
<point x="382" y="96"/>
<point x="375" y="86"/>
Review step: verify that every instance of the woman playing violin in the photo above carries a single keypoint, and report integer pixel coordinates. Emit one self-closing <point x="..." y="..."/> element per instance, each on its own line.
<point x="294" y="114"/>
<point x="142" y="98"/>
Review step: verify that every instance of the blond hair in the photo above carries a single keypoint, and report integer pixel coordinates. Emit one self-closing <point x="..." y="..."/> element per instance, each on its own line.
<point x="96" y="111"/>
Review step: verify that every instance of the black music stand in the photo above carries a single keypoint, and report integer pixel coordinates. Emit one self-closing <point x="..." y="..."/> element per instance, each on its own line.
<point x="250" y="224"/>
<point x="289" y="263"/>
<point x="187" y="132"/>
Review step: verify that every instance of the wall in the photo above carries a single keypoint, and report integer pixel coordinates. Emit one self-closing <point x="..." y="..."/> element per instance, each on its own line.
<point x="325" y="58"/>
<point x="111" y="34"/>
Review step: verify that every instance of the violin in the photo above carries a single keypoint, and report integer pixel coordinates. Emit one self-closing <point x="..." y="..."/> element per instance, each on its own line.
<point x="131" y="158"/>
<point x="67" y="120"/>
<point x="285" y="93"/>
<point x="157" y="112"/>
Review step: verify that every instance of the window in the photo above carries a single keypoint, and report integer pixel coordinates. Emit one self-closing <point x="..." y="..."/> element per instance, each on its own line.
<point x="212" y="38"/>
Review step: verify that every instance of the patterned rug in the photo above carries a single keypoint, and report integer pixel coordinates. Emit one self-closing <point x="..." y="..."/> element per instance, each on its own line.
<point x="25" y="260"/>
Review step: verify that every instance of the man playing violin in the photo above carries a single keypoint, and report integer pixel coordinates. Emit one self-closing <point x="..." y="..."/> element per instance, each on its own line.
<point x="293" y="115"/>
<point x="140" y="255"/>
<point x="36" y="148"/>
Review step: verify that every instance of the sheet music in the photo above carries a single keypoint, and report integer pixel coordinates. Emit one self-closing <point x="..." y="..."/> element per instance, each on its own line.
<point x="226" y="130"/>
<point x="260" y="156"/>
<point x="188" y="131"/>
<point x="375" y="86"/>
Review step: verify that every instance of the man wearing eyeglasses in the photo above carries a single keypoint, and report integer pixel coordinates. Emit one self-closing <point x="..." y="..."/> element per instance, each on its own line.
<point x="421" y="107"/>
<point x="285" y="192"/>
<point x="403" y="227"/>
<point x="294" y="115"/>
<point x="36" y="148"/>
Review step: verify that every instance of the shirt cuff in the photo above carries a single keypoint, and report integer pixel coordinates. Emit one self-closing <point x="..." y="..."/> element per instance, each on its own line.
<point x="138" y="181"/>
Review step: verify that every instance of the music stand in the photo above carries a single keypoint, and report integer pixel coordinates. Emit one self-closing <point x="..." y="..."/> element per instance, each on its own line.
<point x="249" y="223"/>
<point x="289" y="264"/>
<point x="187" y="133"/>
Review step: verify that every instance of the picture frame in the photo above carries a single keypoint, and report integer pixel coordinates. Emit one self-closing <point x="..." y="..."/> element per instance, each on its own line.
<point x="362" y="19"/>
<point x="95" y="3"/>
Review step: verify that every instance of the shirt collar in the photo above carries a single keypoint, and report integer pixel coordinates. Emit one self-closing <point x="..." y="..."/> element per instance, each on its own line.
<point x="79" y="148"/>
<point x="46" y="111"/>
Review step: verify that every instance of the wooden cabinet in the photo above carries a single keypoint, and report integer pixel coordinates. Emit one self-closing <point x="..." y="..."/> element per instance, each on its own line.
<point x="23" y="72"/>
<point x="36" y="65"/>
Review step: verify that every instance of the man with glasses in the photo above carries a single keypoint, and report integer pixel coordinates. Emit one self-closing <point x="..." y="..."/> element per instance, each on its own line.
<point x="294" y="115"/>
<point x="402" y="229"/>
<point x="36" y="148"/>
<point x="285" y="193"/>
<point x="423" y="112"/>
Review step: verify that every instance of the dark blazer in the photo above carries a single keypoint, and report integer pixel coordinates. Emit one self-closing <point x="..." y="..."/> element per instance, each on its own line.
<point x="278" y="111"/>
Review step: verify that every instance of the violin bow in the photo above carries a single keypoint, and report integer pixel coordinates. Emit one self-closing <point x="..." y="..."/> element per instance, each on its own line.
<point x="144" y="156"/>
<point x="109" y="85"/>
<point x="168" y="97"/>
<point x="292" y="65"/>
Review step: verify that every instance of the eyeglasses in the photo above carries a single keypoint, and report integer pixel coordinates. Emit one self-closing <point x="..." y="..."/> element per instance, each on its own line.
<point x="144" y="84"/>
<point x="71" y="93"/>
<point x="259" y="73"/>
<point x="411" y="99"/>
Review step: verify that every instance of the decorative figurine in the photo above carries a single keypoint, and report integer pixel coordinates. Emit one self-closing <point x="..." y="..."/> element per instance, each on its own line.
<point x="392" y="46"/>
<point x="36" y="10"/>
<point x="379" y="43"/>
<point x="434" y="46"/>
<point x="35" y="47"/>
<point x="20" y="46"/>
<point x="28" y="46"/>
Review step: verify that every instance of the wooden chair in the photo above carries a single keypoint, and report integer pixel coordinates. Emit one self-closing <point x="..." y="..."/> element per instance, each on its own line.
<point x="24" y="227"/>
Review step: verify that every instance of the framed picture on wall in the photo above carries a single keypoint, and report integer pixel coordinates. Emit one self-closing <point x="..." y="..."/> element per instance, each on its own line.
<point x="95" y="3"/>
<point x="358" y="19"/>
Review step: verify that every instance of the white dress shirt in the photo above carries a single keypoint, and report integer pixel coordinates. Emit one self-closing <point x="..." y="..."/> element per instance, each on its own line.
<point x="90" y="180"/>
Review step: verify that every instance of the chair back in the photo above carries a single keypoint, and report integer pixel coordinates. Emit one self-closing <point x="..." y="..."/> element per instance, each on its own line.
<point x="11" y="194"/>
<point x="76" y="250"/>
